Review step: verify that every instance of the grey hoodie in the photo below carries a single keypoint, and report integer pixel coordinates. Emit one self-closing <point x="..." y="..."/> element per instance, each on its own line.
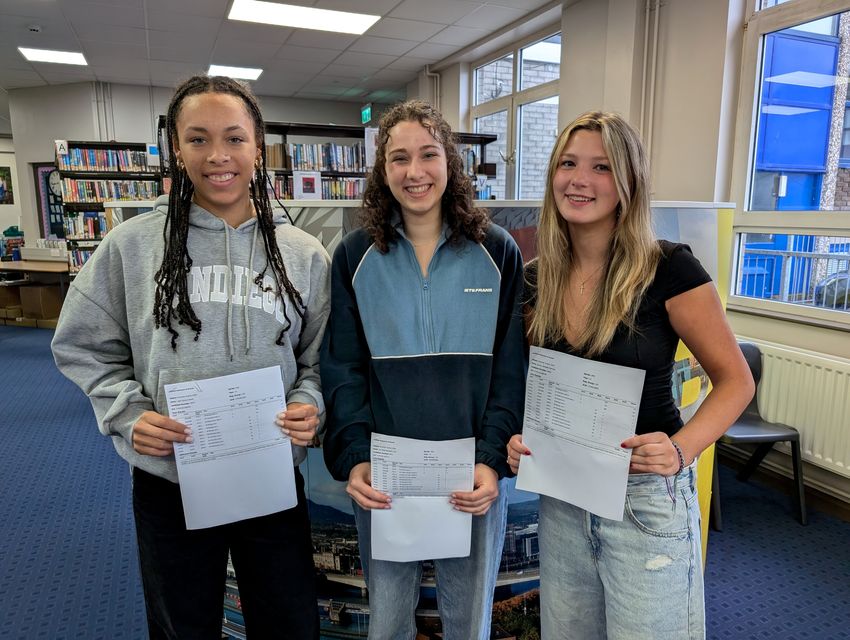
<point x="107" y="344"/>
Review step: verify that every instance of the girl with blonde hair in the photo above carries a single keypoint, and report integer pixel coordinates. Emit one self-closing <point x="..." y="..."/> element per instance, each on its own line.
<point x="605" y="289"/>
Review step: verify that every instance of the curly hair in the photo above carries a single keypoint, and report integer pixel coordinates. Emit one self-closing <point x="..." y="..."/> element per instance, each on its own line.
<point x="176" y="261"/>
<point x="463" y="219"/>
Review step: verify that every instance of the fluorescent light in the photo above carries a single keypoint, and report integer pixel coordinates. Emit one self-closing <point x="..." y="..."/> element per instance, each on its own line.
<point x="241" y="73"/>
<point x="288" y="15"/>
<point x="48" y="55"/>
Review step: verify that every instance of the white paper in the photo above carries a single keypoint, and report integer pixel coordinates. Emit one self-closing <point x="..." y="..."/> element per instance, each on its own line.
<point x="577" y="412"/>
<point x="307" y="185"/>
<point x="239" y="464"/>
<point x="370" y="135"/>
<point x="420" y="475"/>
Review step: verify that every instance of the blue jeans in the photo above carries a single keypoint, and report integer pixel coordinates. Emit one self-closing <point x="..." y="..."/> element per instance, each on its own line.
<point x="464" y="585"/>
<point x="639" y="578"/>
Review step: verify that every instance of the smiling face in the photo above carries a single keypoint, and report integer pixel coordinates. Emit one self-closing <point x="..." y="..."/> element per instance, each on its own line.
<point x="583" y="185"/>
<point x="416" y="169"/>
<point x="216" y="142"/>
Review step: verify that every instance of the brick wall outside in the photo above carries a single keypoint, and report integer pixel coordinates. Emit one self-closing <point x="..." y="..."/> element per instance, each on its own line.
<point x="538" y="126"/>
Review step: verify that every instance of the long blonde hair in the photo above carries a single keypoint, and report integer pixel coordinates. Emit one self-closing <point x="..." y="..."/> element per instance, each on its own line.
<point x="632" y="256"/>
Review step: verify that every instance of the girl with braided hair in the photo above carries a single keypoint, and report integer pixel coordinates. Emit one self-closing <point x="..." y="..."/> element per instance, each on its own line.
<point x="212" y="282"/>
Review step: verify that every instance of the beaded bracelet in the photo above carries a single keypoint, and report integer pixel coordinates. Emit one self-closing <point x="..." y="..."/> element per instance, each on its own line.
<point x="681" y="456"/>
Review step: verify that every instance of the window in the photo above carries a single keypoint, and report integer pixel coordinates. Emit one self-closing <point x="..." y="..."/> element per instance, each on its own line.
<point x="793" y="178"/>
<point x="516" y="98"/>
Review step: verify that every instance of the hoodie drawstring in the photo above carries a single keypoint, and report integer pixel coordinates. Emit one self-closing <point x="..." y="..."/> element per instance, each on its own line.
<point x="229" y="289"/>
<point x="250" y="282"/>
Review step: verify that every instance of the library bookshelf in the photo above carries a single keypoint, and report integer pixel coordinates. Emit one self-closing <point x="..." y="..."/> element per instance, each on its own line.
<point x="92" y="174"/>
<point x="329" y="158"/>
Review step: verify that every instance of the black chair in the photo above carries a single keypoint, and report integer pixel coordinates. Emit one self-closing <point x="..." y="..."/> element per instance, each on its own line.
<point x="750" y="428"/>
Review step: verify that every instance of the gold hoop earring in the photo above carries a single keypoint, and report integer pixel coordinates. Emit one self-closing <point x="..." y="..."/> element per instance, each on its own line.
<point x="180" y="165"/>
<point x="257" y="164"/>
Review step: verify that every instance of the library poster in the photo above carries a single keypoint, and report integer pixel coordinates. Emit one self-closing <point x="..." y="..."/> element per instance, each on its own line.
<point x="49" y="200"/>
<point x="6" y="194"/>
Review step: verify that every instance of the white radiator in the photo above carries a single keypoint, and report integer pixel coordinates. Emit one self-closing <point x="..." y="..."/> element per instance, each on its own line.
<point x="811" y="392"/>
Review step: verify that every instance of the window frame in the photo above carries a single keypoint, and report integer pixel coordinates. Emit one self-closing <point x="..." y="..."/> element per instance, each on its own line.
<point x="513" y="101"/>
<point x="831" y="223"/>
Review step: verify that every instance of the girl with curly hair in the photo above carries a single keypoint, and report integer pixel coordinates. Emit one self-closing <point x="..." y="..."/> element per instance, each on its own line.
<point x="425" y="341"/>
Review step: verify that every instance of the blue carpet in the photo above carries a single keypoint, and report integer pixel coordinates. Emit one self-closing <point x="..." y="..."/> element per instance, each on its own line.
<point x="69" y="566"/>
<point x="769" y="577"/>
<point x="68" y="562"/>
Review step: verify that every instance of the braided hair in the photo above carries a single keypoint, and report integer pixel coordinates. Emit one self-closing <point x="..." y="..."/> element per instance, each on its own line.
<point x="171" y="278"/>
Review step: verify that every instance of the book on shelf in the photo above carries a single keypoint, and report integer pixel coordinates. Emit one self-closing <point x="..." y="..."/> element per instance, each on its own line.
<point x="328" y="156"/>
<point x="87" y="225"/>
<point x="78" y="190"/>
<point x="113" y="160"/>
<point x="332" y="188"/>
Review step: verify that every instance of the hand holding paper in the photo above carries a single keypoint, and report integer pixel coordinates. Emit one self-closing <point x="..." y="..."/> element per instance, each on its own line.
<point x="420" y="475"/>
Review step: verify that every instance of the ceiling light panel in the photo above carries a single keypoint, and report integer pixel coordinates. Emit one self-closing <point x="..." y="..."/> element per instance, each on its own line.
<point x="49" y="55"/>
<point x="240" y="73"/>
<point x="288" y="15"/>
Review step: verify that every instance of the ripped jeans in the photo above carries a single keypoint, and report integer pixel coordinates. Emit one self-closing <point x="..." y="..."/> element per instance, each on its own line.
<point x="639" y="578"/>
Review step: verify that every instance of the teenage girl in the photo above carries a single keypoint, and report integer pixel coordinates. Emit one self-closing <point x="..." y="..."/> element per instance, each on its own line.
<point x="604" y="288"/>
<point x="425" y="341"/>
<point x="212" y="282"/>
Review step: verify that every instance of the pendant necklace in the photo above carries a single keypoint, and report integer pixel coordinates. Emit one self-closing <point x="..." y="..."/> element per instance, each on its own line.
<point x="584" y="282"/>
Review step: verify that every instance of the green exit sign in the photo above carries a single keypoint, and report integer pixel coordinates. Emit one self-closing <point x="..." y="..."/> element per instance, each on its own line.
<point x="366" y="113"/>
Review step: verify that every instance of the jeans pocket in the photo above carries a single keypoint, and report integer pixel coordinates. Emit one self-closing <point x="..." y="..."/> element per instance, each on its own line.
<point x="656" y="514"/>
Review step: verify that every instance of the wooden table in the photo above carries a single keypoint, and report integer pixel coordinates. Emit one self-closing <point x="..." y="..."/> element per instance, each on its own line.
<point x="39" y="266"/>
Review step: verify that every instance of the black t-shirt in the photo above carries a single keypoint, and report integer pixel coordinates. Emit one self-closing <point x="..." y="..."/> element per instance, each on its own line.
<point x="653" y="345"/>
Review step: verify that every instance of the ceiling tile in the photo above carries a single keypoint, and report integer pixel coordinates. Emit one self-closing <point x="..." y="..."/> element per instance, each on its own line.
<point x="106" y="14"/>
<point x="371" y="7"/>
<point x="133" y="66"/>
<point x="126" y="35"/>
<point x="28" y="8"/>
<point x="183" y="52"/>
<point x="432" y="51"/>
<point x="527" y="6"/>
<point x="374" y="60"/>
<point x="349" y="71"/>
<point x="253" y="32"/>
<point x="185" y="26"/>
<point x="387" y="46"/>
<point x="440" y="11"/>
<point x="320" y="39"/>
<point x="291" y="53"/>
<point x="403" y="29"/>
<point x="243" y="53"/>
<point x="299" y="67"/>
<point x="14" y="78"/>
<point x="458" y="36"/>
<point x="394" y="76"/>
<point x="99" y="50"/>
<point x="325" y="89"/>
<point x="19" y="24"/>
<point x="409" y="63"/>
<point x="490" y="17"/>
<point x="207" y="8"/>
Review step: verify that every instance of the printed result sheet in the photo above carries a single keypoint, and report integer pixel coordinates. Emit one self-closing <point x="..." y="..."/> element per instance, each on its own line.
<point x="577" y="412"/>
<point x="420" y="475"/>
<point x="239" y="464"/>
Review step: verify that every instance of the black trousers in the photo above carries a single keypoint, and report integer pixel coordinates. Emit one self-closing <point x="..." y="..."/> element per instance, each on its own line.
<point x="183" y="571"/>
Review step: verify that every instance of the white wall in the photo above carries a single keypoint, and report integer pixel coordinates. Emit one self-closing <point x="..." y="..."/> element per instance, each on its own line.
<point x="39" y="116"/>
<point x="10" y="214"/>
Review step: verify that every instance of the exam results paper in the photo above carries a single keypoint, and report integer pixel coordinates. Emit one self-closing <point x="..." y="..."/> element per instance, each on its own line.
<point x="239" y="464"/>
<point x="577" y="412"/>
<point x="420" y="475"/>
